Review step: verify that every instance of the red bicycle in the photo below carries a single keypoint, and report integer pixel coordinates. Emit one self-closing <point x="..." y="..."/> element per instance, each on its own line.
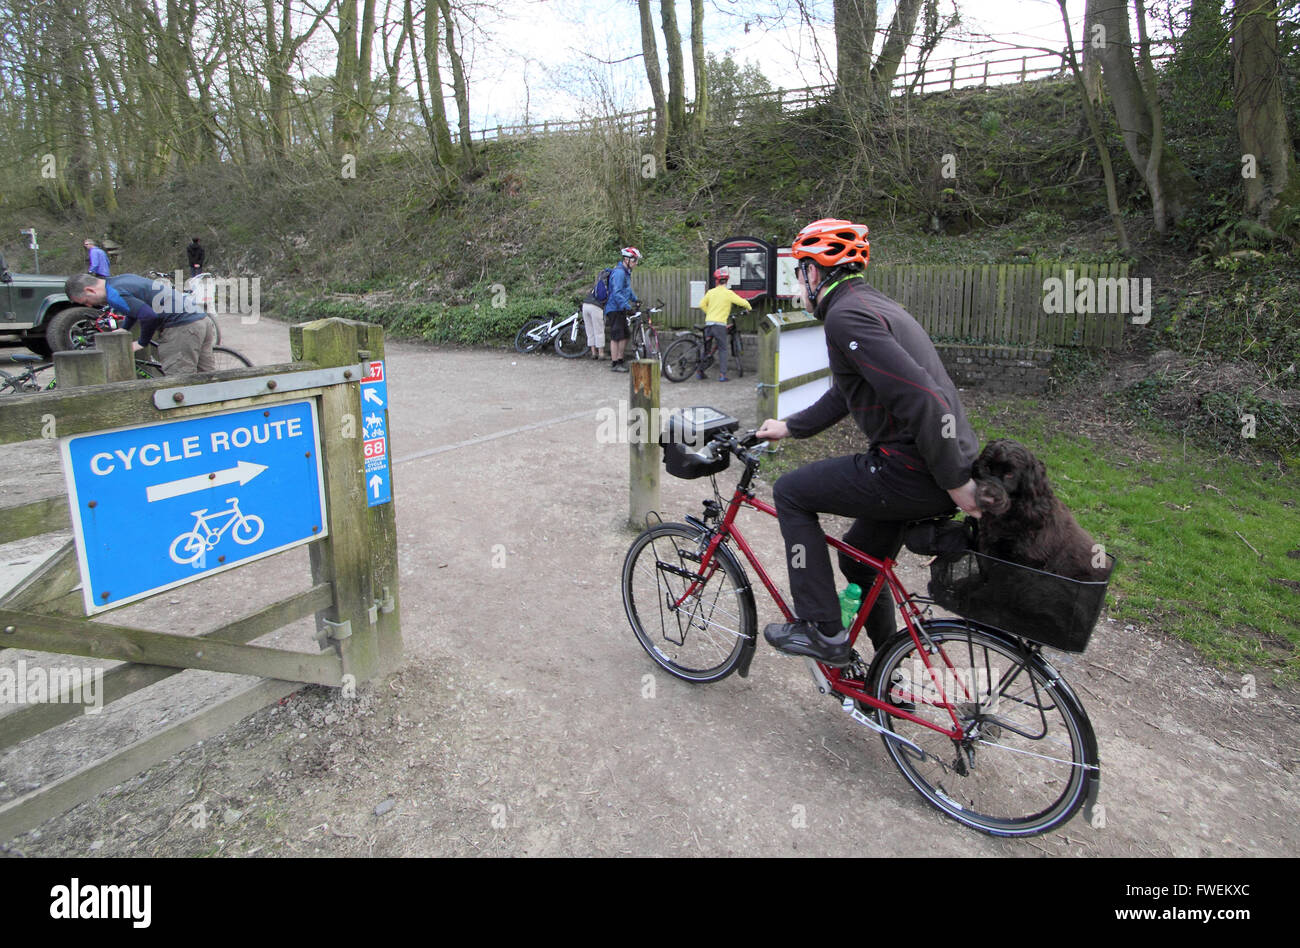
<point x="977" y="720"/>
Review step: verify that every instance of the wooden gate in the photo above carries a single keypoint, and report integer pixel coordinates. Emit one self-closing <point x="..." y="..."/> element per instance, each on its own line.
<point x="352" y="590"/>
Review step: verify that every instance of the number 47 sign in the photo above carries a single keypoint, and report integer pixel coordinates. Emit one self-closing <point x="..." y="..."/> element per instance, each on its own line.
<point x="374" y="423"/>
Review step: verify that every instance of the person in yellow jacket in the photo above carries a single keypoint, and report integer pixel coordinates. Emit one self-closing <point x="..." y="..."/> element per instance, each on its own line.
<point x="717" y="305"/>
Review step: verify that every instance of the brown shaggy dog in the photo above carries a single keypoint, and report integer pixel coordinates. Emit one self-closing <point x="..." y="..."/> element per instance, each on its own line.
<point x="1023" y="521"/>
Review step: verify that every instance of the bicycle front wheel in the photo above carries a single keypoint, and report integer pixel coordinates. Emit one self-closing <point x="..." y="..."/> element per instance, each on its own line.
<point x="738" y="354"/>
<point x="530" y="338"/>
<point x="681" y="358"/>
<point x="1029" y="760"/>
<point x="694" y="628"/>
<point x="572" y="340"/>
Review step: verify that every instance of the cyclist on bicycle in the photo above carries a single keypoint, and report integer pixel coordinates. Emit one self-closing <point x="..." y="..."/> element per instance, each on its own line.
<point x="621" y="302"/>
<point x="886" y="373"/>
<point x="717" y="305"/>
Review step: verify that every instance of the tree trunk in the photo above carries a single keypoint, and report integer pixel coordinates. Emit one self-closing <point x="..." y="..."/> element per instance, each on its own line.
<point x="676" y="73"/>
<point x="1165" y="176"/>
<point x="458" y="85"/>
<point x="650" y="53"/>
<point x="701" y="117"/>
<point x="901" y="30"/>
<point x="855" y="32"/>
<point x="1274" y="186"/>
<point x="1098" y="137"/>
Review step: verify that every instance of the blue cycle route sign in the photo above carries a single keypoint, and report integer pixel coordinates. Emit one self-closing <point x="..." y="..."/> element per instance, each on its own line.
<point x="157" y="506"/>
<point x="374" y="414"/>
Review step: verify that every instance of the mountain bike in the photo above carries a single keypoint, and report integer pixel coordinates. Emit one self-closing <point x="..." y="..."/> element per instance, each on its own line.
<point x="38" y="376"/>
<point x="643" y="337"/>
<point x="974" y="716"/>
<point x="695" y="351"/>
<point x="569" y="335"/>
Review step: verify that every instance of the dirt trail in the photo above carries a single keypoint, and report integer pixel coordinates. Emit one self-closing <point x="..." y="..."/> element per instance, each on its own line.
<point x="526" y="719"/>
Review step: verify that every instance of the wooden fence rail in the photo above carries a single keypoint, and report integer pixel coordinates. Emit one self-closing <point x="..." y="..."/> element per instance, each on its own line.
<point x="949" y="75"/>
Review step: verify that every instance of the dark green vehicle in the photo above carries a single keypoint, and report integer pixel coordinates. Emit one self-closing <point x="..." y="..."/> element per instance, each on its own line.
<point x="34" y="312"/>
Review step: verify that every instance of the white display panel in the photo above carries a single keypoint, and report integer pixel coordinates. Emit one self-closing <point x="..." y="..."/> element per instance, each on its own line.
<point x="802" y="351"/>
<point x="797" y="399"/>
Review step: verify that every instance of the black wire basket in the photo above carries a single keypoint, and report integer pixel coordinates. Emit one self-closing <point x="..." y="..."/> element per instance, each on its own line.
<point x="1051" y="610"/>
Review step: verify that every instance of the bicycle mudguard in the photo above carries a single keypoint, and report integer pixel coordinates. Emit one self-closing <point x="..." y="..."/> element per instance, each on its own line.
<point x="746" y="591"/>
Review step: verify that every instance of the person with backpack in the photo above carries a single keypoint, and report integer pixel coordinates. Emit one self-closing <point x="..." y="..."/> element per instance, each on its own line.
<point x="619" y="304"/>
<point x="593" y="313"/>
<point x="717" y="305"/>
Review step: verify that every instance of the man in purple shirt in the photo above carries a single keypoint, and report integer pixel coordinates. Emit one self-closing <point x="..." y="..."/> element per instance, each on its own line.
<point x="98" y="260"/>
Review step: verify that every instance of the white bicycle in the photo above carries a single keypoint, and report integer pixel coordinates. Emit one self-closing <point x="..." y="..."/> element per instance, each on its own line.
<point x="192" y="546"/>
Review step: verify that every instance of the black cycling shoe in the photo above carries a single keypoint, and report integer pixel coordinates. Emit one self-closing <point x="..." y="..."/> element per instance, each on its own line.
<point x="802" y="638"/>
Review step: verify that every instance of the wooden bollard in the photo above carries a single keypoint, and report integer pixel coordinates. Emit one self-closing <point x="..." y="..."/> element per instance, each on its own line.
<point x="120" y="360"/>
<point x="643" y="442"/>
<point x="77" y="367"/>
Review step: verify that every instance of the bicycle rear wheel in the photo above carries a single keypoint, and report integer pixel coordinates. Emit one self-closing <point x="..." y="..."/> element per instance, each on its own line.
<point x="703" y="638"/>
<point x="229" y="359"/>
<point x="737" y="354"/>
<point x="1030" y="760"/>
<point x="681" y="358"/>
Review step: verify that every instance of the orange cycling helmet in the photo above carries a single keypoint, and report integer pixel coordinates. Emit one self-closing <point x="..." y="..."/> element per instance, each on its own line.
<point x="831" y="242"/>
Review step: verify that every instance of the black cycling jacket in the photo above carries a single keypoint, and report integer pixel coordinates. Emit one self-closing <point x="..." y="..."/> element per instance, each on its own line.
<point x="886" y="373"/>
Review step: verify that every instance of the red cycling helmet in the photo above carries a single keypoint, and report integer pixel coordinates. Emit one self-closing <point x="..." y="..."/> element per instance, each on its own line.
<point x="631" y="252"/>
<point x="721" y="275"/>
<point x="831" y="242"/>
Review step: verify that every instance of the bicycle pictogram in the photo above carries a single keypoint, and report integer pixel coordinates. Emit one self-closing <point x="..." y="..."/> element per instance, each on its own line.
<point x="191" y="547"/>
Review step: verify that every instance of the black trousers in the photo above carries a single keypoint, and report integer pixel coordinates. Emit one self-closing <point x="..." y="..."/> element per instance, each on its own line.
<point x="883" y="494"/>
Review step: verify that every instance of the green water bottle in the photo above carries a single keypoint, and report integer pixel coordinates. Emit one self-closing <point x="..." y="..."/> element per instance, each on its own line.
<point x="850" y="601"/>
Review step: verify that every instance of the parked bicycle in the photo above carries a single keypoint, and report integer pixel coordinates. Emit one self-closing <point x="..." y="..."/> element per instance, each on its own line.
<point x="695" y="351"/>
<point x="569" y="335"/>
<point x="974" y="716"/>
<point x="643" y="337"/>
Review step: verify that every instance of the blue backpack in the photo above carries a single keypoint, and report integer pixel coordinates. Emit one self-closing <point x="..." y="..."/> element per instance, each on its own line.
<point x="600" y="292"/>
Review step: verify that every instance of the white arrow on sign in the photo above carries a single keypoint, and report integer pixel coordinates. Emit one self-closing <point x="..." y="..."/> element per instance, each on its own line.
<point x="243" y="472"/>
<point x="372" y="396"/>
<point x="375" y="483"/>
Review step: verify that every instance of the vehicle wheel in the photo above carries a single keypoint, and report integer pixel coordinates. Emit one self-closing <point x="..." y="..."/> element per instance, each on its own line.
<point x="702" y="639"/>
<point x="71" y="328"/>
<point x="681" y="359"/>
<point x="738" y="354"/>
<point x="572" y="340"/>
<point x="229" y="358"/>
<point x="527" y="340"/>
<point x="1031" y="760"/>
<point x="9" y="385"/>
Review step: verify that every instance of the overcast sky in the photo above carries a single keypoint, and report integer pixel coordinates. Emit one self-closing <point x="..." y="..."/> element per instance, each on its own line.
<point x="538" y="58"/>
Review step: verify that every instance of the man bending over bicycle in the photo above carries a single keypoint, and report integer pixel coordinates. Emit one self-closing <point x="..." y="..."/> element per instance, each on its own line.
<point x="886" y="373"/>
<point x="717" y="305"/>
<point x="185" y="334"/>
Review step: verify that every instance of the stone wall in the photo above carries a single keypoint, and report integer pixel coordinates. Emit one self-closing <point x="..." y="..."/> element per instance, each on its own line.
<point x="1004" y="369"/>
